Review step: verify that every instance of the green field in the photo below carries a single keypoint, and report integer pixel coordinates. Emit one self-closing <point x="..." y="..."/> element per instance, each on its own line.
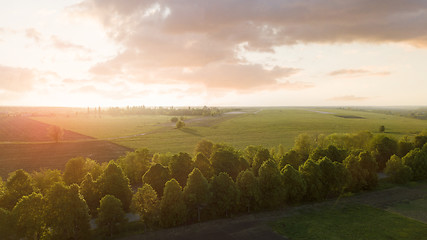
<point x="268" y="127"/>
<point x="416" y="209"/>
<point x="350" y="222"/>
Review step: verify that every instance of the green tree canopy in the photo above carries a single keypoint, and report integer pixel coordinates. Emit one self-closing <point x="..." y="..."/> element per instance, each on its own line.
<point x="294" y="186"/>
<point x="67" y="214"/>
<point x="90" y="191"/>
<point x="248" y="187"/>
<point x="224" y="194"/>
<point x="180" y="166"/>
<point x="7" y="225"/>
<point x="110" y="215"/>
<point x="196" y="192"/>
<point x="156" y="176"/>
<point x="417" y="160"/>
<point x="292" y="158"/>
<point x="45" y="178"/>
<point x="225" y="160"/>
<point x="205" y="147"/>
<point x="313" y="177"/>
<point x="77" y="168"/>
<point x="261" y="156"/>
<point x="18" y="184"/>
<point x="135" y="164"/>
<point x="146" y="203"/>
<point x="383" y="148"/>
<point x="172" y="206"/>
<point x="270" y="184"/>
<point x="202" y="163"/>
<point x="114" y="182"/>
<point x="397" y="171"/>
<point x="29" y="214"/>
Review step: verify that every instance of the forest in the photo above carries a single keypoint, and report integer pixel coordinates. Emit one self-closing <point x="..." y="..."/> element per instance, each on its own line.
<point x="90" y="200"/>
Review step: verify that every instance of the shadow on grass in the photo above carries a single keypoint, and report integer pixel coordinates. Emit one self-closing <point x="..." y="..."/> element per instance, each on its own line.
<point x="191" y="131"/>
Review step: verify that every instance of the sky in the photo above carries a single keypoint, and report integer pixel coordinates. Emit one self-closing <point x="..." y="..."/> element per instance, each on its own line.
<point x="213" y="53"/>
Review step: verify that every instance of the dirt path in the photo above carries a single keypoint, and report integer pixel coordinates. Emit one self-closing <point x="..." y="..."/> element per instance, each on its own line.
<point x="255" y="226"/>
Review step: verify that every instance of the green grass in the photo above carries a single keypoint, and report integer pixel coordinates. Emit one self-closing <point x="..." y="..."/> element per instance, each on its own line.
<point x="414" y="209"/>
<point x="350" y="222"/>
<point x="269" y="127"/>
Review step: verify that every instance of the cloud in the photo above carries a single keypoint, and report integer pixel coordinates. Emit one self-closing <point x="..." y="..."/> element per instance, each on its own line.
<point x="33" y="34"/>
<point x="357" y="73"/>
<point x="160" y="39"/>
<point x="65" y="45"/>
<point x="17" y="79"/>
<point x="348" y="98"/>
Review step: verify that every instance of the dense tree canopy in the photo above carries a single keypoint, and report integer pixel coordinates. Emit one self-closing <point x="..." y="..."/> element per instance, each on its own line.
<point x="225" y="160"/>
<point x="110" y="215"/>
<point x="270" y="183"/>
<point x="157" y="176"/>
<point x="397" y="171"/>
<point x="196" y="192"/>
<point x="172" y="206"/>
<point x="180" y="166"/>
<point x="18" y="184"/>
<point x="67" y="214"/>
<point x="224" y="194"/>
<point x="135" y="164"/>
<point x="248" y="187"/>
<point x="114" y="182"/>
<point x="146" y="203"/>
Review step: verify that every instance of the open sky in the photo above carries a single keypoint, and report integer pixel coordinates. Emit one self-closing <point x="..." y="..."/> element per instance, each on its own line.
<point x="215" y="53"/>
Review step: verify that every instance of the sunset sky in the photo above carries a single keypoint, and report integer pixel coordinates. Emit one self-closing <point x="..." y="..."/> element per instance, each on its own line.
<point x="215" y="53"/>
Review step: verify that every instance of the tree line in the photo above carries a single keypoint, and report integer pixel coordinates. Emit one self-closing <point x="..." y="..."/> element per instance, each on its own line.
<point x="217" y="181"/>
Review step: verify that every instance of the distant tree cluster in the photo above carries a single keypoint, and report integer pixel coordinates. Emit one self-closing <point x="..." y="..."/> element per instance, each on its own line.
<point x="172" y="111"/>
<point x="218" y="180"/>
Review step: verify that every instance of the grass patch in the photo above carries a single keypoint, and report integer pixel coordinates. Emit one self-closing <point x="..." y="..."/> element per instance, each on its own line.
<point x="413" y="209"/>
<point x="269" y="127"/>
<point x="349" y="222"/>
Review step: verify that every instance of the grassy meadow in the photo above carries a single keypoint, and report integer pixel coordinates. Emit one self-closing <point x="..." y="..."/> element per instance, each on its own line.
<point x="267" y="126"/>
<point x="350" y="222"/>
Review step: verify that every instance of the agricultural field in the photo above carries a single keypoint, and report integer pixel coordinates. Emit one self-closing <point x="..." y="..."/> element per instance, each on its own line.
<point x="25" y="143"/>
<point x="253" y="126"/>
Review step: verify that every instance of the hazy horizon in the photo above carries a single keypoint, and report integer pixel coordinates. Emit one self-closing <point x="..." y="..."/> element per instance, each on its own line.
<point x="238" y="53"/>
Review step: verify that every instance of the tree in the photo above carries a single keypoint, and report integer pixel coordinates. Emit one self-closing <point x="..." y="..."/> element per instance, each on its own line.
<point x="382" y="129"/>
<point x="248" y="187"/>
<point x="77" y="168"/>
<point x="18" y="184"/>
<point x="136" y="164"/>
<point x="110" y="215"/>
<point x="260" y="157"/>
<point x="383" y="148"/>
<point x="172" y="206"/>
<point x="225" y="160"/>
<point x="67" y="214"/>
<point x="196" y="192"/>
<point x="224" y="194"/>
<point x="180" y="166"/>
<point x="404" y="146"/>
<point x="397" y="171"/>
<point x="90" y="192"/>
<point x="369" y="165"/>
<point x="334" y="177"/>
<point x="204" y="147"/>
<point x="7" y="225"/>
<point x="174" y="119"/>
<point x="294" y="186"/>
<point x="270" y="183"/>
<point x="29" y="214"/>
<point x="55" y="133"/>
<point x="303" y="145"/>
<point x="45" y="178"/>
<point x="417" y="160"/>
<point x="312" y="175"/>
<point x="146" y="203"/>
<point x="202" y="163"/>
<point x="180" y="124"/>
<point x="114" y="182"/>
<point x="156" y="176"/>
<point x="292" y="158"/>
